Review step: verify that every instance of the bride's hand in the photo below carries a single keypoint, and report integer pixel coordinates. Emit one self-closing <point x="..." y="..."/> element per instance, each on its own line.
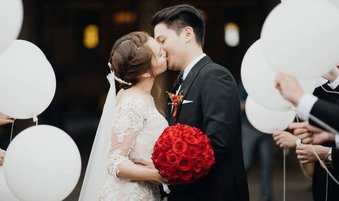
<point x="158" y="179"/>
<point x="144" y="163"/>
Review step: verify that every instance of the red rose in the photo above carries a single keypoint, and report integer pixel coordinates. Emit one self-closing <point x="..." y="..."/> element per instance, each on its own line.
<point x="208" y="162"/>
<point x="156" y="153"/>
<point x="175" y="134"/>
<point x="192" y="152"/>
<point x="190" y="139"/>
<point x="179" y="147"/>
<point x="187" y="132"/>
<point x="198" y="165"/>
<point x="171" y="158"/>
<point x="186" y="176"/>
<point x="161" y="160"/>
<point x="167" y="142"/>
<point x="203" y="149"/>
<point x="175" y="98"/>
<point x="184" y="163"/>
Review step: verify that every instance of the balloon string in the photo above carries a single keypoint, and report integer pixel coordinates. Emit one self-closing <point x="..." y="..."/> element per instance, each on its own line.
<point x="324" y="166"/>
<point x="323" y="124"/>
<point x="315" y="153"/>
<point x="12" y="128"/>
<point x="284" y="174"/>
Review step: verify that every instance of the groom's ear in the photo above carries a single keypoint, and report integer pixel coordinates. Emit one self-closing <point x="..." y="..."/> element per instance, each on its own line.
<point x="188" y="34"/>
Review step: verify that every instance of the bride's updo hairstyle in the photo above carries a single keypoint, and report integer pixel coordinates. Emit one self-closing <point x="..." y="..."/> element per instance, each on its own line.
<point x="130" y="58"/>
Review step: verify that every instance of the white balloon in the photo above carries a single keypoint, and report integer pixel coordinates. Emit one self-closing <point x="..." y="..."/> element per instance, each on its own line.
<point x="11" y="16"/>
<point x="5" y="193"/>
<point x="266" y="120"/>
<point x="300" y="38"/>
<point x="259" y="80"/>
<point x="335" y="2"/>
<point x="42" y="164"/>
<point x="27" y="81"/>
<point x="308" y="86"/>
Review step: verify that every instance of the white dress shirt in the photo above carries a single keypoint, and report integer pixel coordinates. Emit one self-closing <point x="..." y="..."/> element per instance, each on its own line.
<point x="190" y="65"/>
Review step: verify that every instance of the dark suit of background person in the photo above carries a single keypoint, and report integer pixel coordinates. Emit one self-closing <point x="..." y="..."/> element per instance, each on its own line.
<point x="326" y="112"/>
<point x="319" y="176"/>
<point x="216" y="111"/>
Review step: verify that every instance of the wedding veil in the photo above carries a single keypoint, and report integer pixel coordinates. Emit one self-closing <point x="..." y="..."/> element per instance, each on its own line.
<point x="96" y="171"/>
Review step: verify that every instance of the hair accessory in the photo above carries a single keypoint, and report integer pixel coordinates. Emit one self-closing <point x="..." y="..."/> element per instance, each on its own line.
<point x="117" y="78"/>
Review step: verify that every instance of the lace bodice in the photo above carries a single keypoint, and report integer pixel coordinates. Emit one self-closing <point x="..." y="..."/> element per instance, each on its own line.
<point x="137" y="125"/>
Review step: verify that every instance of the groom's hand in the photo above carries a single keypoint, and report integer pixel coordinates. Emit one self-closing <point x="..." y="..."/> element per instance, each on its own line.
<point x="144" y="163"/>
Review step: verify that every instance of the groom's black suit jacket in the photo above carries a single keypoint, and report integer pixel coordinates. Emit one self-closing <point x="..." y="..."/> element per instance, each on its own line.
<point x="216" y="111"/>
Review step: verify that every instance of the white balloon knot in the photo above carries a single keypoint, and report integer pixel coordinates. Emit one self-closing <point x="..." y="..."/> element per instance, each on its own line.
<point x="35" y="119"/>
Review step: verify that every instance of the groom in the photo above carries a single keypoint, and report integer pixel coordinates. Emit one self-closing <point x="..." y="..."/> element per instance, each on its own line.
<point x="211" y="103"/>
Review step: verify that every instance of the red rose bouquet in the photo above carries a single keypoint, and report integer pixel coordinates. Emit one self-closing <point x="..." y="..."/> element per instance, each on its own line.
<point x="182" y="154"/>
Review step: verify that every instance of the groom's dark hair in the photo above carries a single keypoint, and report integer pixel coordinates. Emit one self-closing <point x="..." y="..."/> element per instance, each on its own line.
<point x="180" y="16"/>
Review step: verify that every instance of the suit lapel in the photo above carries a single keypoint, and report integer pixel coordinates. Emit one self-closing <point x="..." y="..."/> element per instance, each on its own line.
<point x="186" y="85"/>
<point x="193" y="74"/>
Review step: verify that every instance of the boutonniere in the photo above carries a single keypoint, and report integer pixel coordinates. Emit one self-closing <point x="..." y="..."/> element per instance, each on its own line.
<point x="176" y="100"/>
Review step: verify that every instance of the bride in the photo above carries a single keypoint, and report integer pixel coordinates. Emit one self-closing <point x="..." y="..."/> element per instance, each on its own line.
<point x="129" y="126"/>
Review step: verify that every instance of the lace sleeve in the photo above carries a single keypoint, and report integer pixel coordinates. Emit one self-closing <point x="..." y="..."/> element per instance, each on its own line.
<point x="128" y="123"/>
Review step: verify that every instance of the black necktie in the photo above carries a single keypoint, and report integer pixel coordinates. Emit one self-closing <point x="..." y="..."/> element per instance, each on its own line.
<point x="178" y="82"/>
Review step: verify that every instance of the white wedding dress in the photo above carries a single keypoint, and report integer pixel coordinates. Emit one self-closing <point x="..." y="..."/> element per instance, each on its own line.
<point x="136" y="127"/>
